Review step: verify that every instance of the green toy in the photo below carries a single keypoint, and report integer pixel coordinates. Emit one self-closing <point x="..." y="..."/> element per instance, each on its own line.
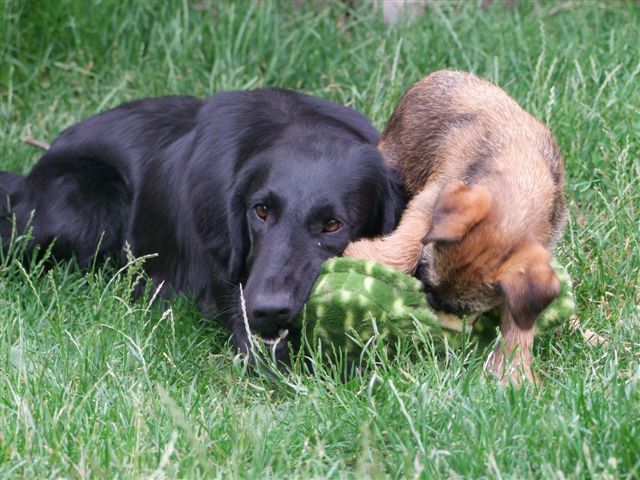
<point x="362" y="296"/>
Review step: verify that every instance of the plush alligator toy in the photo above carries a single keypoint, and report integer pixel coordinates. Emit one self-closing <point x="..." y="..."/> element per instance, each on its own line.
<point x="360" y="297"/>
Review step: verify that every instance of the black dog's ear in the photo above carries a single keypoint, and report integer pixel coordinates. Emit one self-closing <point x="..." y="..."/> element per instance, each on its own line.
<point x="238" y="237"/>
<point x="220" y="228"/>
<point x="391" y="201"/>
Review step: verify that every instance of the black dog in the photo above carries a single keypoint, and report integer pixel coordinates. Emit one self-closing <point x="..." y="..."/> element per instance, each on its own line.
<point x="254" y="188"/>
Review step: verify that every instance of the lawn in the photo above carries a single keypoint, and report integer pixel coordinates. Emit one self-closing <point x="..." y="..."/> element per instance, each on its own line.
<point x="94" y="383"/>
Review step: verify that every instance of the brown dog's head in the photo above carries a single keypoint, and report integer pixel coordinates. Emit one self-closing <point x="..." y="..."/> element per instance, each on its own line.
<point x="471" y="263"/>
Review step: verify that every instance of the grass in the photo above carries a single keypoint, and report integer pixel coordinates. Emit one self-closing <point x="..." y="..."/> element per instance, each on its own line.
<point x="95" y="384"/>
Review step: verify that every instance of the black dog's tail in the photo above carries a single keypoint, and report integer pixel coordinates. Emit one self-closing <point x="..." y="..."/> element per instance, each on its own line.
<point x="10" y="185"/>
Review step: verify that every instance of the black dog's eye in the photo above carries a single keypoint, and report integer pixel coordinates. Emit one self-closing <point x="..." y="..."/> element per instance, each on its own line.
<point x="331" y="226"/>
<point x="262" y="211"/>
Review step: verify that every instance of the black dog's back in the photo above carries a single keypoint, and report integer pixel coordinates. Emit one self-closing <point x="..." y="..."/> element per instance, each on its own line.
<point x="83" y="186"/>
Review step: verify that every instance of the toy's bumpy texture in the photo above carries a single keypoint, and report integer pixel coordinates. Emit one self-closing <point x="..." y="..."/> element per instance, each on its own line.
<point x="361" y="297"/>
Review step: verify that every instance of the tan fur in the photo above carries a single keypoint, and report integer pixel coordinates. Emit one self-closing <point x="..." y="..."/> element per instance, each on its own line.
<point x="487" y="182"/>
<point x="511" y="360"/>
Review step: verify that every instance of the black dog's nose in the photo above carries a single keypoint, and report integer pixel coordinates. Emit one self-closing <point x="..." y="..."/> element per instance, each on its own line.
<point x="272" y="309"/>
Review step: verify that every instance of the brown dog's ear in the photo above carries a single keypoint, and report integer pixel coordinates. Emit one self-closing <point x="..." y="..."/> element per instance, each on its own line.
<point x="528" y="283"/>
<point x="458" y="208"/>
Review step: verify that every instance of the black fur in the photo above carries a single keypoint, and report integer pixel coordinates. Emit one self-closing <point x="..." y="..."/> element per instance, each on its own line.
<point x="180" y="177"/>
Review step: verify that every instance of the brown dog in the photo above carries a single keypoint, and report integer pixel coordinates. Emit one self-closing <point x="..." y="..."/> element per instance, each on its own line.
<point x="487" y="182"/>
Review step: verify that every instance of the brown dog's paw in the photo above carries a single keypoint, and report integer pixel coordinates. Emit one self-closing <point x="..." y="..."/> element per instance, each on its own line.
<point x="515" y="370"/>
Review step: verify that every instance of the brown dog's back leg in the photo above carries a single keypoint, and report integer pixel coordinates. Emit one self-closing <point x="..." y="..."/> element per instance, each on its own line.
<point x="511" y="359"/>
<point x="401" y="250"/>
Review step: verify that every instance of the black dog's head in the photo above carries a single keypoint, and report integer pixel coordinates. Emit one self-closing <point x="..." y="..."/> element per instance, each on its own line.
<point x="297" y="204"/>
<point x="278" y="183"/>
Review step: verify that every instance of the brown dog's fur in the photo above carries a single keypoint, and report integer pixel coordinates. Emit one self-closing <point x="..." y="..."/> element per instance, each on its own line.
<point x="487" y="183"/>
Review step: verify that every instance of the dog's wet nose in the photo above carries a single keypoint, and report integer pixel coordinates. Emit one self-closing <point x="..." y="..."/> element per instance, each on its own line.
<point x="272" y="310"/>
<point x="434" y="302"/>
<point x="441" y="306"/>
